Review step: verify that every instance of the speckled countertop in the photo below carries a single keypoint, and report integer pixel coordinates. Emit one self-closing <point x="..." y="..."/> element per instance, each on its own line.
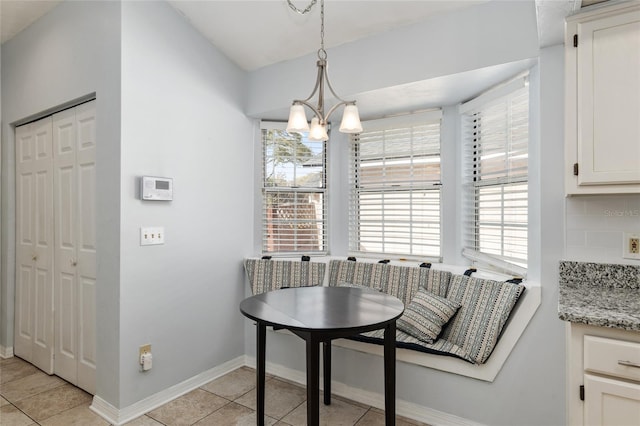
<point x="601" y="294"/>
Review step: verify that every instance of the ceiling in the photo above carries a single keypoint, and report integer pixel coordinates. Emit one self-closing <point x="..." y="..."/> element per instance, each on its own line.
<point x="257" y="33"/>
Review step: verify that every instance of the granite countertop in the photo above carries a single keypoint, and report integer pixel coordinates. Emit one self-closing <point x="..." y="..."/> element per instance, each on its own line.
<point x="605" y="295"/>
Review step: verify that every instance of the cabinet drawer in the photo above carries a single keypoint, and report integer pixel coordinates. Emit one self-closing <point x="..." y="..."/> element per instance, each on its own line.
<point x="612" y="357"/>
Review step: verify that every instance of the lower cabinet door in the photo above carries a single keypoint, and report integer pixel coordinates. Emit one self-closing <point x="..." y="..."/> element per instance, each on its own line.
<point x="611" y="402"/>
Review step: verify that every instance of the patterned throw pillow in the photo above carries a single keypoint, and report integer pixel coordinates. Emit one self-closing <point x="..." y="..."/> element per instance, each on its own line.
<point x="486" y="306"/>
<point x="424" y="317"/>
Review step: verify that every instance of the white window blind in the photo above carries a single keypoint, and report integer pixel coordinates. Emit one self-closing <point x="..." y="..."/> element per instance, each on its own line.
<point x="496" y="135"/>
<point x="293" y="192"/>
<point x="395" y="187"/>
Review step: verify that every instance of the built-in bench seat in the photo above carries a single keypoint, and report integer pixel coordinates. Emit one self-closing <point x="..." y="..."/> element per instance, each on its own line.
<point x="471" y="334"/>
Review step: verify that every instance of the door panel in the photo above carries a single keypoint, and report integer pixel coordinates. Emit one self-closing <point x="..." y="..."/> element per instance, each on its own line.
<point x="87" y="335"/>
<point x="86" y="231"/>
<point x="34" y="244"/>
<point x="74" y="181"/>
<point x="65" y="283"/>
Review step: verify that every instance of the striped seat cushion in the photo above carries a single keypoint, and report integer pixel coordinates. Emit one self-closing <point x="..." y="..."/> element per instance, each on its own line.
<point x="406" y="341"/>
<point x="485" y="308"/>
<point x="266" y="275"/>
<point x="399" y="281"/>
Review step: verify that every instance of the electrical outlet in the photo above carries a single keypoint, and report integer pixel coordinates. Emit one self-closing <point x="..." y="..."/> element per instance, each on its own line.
<point x="143" y="349"/>
<point x="631" y="245"/>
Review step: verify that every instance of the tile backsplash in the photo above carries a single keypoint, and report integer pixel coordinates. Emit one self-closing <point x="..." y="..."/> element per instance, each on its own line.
<point x="595" y="224"/>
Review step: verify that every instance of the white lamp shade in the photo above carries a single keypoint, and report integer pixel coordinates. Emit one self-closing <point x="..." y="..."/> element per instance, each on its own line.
<point x="318" y="132"/>
<point x="297" y="120"/>
<point x="350" y="120"/>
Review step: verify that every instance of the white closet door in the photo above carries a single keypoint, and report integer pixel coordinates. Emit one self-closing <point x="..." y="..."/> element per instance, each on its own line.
<point x="86" y="242"/>
<point x="65" y="281"/>
<point x="75" y="254"/>
<point x="34" y="245"/>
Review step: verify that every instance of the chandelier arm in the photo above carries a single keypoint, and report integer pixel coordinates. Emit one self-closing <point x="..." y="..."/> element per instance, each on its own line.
<point x="326" y="77"/>
<point x="314" y="109"/>
<point x="336" y="106"/>
<point x="319" y="79"/>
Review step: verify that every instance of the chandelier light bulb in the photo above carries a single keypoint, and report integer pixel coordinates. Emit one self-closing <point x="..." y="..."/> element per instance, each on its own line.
<point x="350" y="120"/>
<point x="297" y="120"/>
<point x="317" y="132"/>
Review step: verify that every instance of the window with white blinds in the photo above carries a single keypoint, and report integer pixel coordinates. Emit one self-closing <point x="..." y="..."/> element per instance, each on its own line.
<point x="496" y="135"/>
<point x="395" y="187"/>
<point x="293" y="192"/>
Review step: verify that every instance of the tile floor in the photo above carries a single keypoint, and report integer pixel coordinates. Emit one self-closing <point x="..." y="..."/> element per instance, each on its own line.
<point x="30" y="397"/>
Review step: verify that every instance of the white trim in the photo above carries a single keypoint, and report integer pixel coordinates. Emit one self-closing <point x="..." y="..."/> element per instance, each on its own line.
<point x="273" y="125"/>
<point x="121" y="416"/>
<point x="494" y="261"/>
<point x="374" y="399"/>
<point x="493" y="94"/>
<point x="406" y="120"/>
<point x="6" y="351"/>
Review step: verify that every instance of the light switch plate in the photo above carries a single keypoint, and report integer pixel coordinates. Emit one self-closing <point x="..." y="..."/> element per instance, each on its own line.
<point x="631" y="245"/>
<point x="152" y="235"/>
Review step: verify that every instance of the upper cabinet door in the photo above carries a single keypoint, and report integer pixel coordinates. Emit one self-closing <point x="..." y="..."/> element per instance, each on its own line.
<point x="609" y="100"/>
<point x="602" y="104"/>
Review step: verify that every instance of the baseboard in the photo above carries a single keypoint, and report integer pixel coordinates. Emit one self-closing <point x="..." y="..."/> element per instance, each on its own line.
<point x="374" y="399"/>
<point x="6" y="352"/>
<point x="119" y="416"/>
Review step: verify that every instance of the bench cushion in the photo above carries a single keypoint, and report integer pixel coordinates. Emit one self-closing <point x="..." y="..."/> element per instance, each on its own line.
<point x="406" y="341"/>
<point x="399" y="281"/>
<point x="424" y="317"/>
<point x="266" y="275"/>
<point x="485" y="308"/>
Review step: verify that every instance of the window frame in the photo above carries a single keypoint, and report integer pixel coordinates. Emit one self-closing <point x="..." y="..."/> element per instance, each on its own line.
<point x="473" y="182"/>
<point x="385" y="188"/>
<point x="265" y="189"/>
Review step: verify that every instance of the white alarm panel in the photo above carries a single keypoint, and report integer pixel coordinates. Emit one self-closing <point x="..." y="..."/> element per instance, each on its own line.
<point x="156" y="188"/>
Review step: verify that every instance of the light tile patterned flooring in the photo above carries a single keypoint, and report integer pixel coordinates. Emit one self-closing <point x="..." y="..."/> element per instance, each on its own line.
<point x="30" y="397"/>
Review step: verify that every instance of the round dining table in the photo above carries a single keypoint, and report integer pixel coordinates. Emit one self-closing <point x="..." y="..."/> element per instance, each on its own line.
<point x="319" y="315"/>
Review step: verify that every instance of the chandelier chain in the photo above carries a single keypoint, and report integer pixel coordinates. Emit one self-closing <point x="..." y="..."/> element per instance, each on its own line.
<point x="322" y="54"/>
<point x="302" y="11"/>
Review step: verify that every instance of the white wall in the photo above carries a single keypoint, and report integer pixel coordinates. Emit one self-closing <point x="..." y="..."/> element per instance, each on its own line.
<point x="71" y="52"/>
<point x="530" y="388"/>
<point x="181" y="118"/>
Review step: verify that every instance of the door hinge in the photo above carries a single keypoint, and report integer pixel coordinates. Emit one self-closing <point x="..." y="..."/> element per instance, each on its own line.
<point x="581" y="392"/>
<point x="575" y="40"/>
<point x="575" y="169"/>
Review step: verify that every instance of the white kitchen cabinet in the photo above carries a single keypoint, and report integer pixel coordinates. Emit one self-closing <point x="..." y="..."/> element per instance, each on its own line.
<point x="603" y="376"/>
<point x="602" y="100"/>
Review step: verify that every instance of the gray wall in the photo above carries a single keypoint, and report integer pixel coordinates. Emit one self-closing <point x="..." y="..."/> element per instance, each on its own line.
<point x="182" y="118"/>
<point x="71" y="52"/>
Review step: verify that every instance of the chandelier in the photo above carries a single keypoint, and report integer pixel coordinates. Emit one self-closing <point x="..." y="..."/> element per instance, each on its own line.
<point x="297" y="117"/>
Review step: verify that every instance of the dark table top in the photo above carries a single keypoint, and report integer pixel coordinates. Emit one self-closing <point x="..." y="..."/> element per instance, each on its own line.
<point x="323" y="308"/>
